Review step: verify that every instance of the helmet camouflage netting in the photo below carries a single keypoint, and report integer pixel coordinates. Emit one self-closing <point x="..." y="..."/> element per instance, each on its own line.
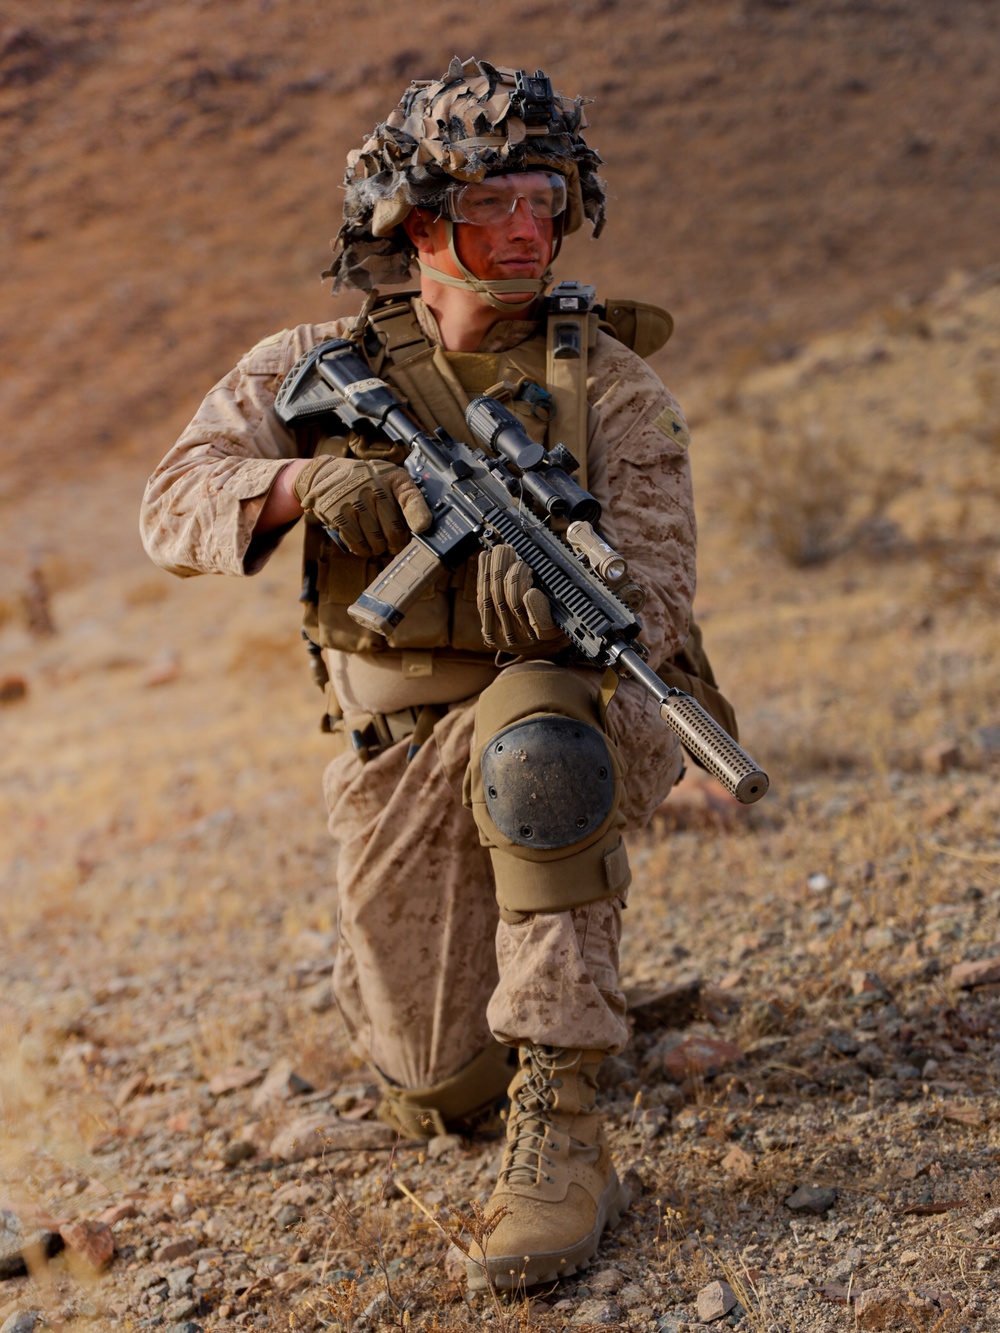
<point x="478" y="120"/>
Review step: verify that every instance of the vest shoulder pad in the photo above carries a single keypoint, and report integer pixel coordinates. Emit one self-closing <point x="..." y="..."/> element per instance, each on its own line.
<point x="642" y="327"/>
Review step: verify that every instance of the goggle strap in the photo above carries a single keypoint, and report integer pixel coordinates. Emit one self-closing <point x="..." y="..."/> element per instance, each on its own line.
<point x="486" y="287"/>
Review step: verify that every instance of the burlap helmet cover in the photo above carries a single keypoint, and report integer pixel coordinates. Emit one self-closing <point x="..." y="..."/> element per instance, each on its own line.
<point x="461" y="127"/>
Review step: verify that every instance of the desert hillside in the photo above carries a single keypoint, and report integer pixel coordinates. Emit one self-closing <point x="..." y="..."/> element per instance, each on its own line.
<point x="807" y="1113"/>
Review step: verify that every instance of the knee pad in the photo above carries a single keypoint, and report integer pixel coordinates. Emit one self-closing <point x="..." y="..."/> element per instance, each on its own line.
<point x="548" y="781"/>
<point x="545" y="787"/>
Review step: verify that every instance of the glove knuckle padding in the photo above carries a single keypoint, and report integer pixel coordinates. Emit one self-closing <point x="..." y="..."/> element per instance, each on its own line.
<point x="515" y="615"/>
<point x="363" y="501"/>
<point x="545" y="787"/>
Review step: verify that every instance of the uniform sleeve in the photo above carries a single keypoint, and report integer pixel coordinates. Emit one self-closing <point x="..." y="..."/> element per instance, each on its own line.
<point x="649" y="482"/>
<point x="202" y="502"/>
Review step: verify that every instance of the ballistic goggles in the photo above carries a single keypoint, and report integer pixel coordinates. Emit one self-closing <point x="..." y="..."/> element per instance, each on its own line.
<point x="494" y="199"/>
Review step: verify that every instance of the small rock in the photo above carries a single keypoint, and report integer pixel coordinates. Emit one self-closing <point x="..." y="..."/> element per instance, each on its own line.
<point x="93" y="1241"/>
<point x="881" y="1308"/>
<point x="236" y="1151"/>
<point x="23" y="1321"/>
<point x="739" y="1163"/>
<point x="320" y="999"/>
<point x="454" y="1264"/>
<point x="715" y="1301"/>
<point x="671" y="1323"/>
<point x="607" y="1282"/>
<point x="288" y="1216"/>
<point x="879" y="938"/>
<point x="989" y="1222"/>
<point x="313" y="1135"/>
<point x="651" y="1122"/>
<point x="984" y="972"/>
<point x="346" y="1098"/>
<point x="233" y="1079"/>
<point x="614" y="1071"/>
<point x="884" y="1090"/>
<point x="868" y="988"/>
<point x="180" y="1280"/>
<point x="179" y="1314"/>
<point x="909" y="1257"/>
<point x="989" y="738"/>
<point x="812" y="1199"/>
<point x="819" y="883"/>
<point x="118" y="1212"/>
<point x="281" y="1084"/>
<point x="843" y="1042"/>
<point x="443" y="1145"/>
<point x="693" y="1119"/>
<point x="870" y="1058"/>
<point x="697" y="1055"/>
<point x="597" y="1311"/>
<point x="176" y="1249"/>
<point x="941" y="758"/>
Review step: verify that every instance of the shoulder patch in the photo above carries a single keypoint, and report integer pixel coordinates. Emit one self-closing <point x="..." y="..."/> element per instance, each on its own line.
<point x="674" y="427"/>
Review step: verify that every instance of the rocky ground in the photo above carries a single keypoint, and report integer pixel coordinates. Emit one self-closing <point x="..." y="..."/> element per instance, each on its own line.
<point x="806" y="1115"/>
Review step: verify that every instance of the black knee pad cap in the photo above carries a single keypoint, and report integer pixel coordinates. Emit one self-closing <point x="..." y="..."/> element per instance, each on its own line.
<point x="549" y="781"/>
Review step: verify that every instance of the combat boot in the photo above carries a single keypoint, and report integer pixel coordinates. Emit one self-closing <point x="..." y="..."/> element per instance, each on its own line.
<point x="556" y="1179"/>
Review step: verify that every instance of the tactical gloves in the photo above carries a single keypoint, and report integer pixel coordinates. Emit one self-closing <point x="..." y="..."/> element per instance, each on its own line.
<point x="515" y="617"/>
<point x="372" y="507"/>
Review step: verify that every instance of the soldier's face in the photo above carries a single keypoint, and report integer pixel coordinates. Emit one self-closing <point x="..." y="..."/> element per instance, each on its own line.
<point x="516" y="246"/>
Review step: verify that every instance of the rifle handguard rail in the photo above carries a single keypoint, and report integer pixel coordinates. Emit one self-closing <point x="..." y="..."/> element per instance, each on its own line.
<point x="474" y="501"/>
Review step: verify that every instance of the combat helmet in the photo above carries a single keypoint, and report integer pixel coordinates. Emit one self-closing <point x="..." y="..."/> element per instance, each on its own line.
<point x="478" y="120"/>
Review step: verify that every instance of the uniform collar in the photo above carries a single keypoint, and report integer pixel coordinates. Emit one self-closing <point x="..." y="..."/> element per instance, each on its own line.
<point x="500" y="337"/>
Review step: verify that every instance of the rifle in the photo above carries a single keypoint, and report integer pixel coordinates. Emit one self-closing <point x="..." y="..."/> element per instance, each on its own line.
<point x="479" y="500"/>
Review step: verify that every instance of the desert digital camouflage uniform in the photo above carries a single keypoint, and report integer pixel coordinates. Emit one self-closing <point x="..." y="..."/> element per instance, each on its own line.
<point x="460" y="944"/>
<point x="417" y="974"/>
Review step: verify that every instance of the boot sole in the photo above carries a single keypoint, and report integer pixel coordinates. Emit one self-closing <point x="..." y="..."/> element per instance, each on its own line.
<point x="514" y="1272"/>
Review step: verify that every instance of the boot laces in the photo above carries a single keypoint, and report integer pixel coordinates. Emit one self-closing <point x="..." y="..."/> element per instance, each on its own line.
<point x="525" y="1158"/>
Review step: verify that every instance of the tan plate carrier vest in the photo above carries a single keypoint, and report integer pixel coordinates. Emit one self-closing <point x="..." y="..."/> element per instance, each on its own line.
<point x="430" y="383"/>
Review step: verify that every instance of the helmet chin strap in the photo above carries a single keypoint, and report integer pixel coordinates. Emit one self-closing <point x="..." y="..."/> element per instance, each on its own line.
<point x="487" y="289"/>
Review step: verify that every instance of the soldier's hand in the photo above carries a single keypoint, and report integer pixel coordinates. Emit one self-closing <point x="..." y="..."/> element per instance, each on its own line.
<point x="515" y="616"/>
<point x="372" y="507"/>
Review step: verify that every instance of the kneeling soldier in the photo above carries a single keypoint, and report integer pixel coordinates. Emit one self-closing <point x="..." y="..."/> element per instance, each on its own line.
<point x="483" y="773"/>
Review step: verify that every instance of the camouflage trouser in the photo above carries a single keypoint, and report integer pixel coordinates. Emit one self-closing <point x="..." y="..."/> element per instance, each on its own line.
<point x="426" y="969"/>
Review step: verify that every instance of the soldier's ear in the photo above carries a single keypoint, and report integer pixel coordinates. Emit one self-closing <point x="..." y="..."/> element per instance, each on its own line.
<point x="425" y="229"/>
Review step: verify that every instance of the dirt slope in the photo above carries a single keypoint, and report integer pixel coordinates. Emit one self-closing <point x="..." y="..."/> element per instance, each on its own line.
<point x="170" y="175"/>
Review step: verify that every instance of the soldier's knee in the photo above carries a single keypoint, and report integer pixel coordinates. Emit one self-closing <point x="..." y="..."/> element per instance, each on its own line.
<point x="545" y="787"/>
<point x="549" y="782"/>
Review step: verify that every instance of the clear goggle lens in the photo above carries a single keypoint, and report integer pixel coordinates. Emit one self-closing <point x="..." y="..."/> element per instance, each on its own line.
<point x="495" y="199"/>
